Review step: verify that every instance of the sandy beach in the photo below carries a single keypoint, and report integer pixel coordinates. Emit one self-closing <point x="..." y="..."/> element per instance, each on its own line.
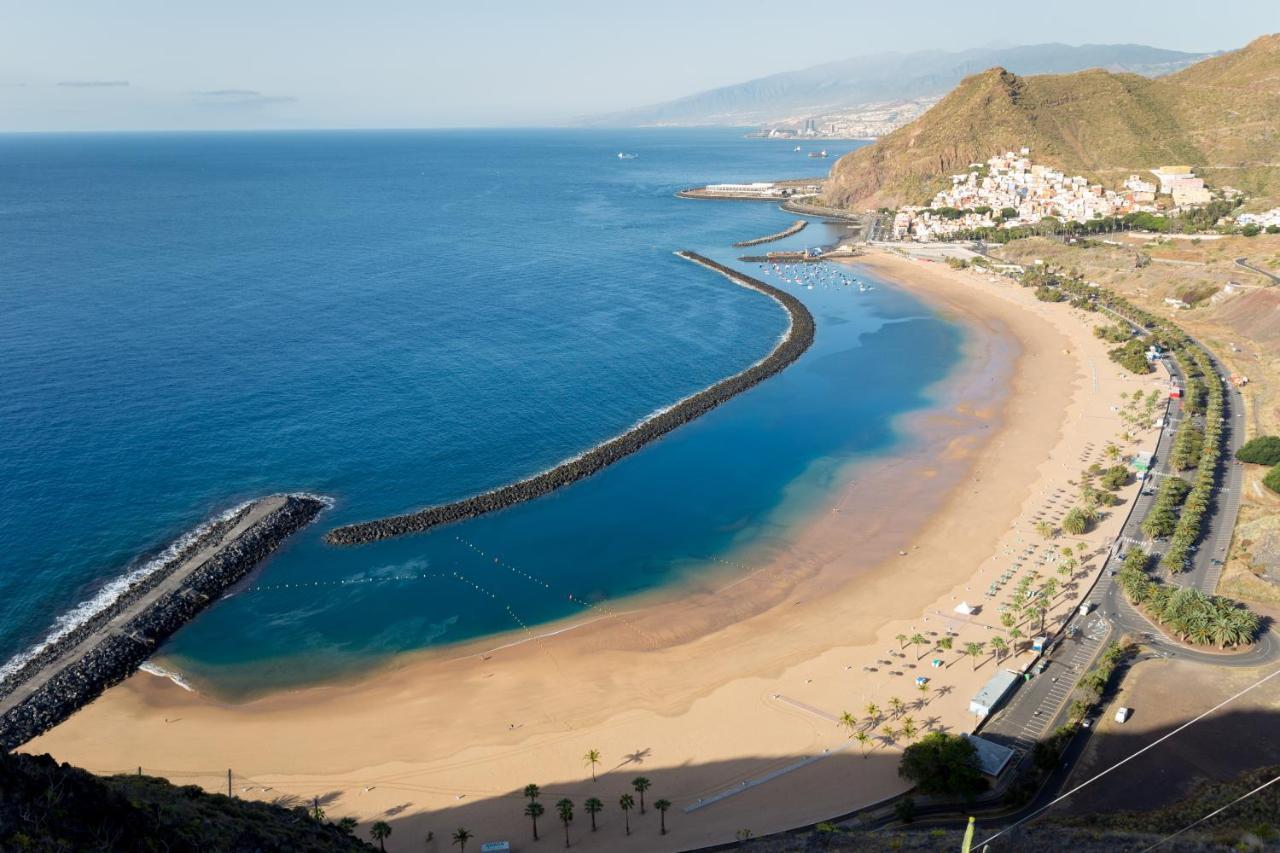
<point x="726" y="696"/>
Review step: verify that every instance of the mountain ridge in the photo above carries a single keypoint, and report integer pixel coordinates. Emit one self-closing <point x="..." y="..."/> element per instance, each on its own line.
<point x="864" y="80"/>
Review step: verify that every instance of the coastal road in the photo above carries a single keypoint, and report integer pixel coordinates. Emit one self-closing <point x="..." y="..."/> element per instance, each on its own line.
<point x="1244" y="262"/>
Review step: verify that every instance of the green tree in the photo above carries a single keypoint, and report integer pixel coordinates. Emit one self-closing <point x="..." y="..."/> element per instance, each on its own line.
<point x="593" y="806"/>
<point x="592" y="758"/>
<point x="942" y="764"/>
<point x="564" y="808"/>
<point x="662" y="806"/>
<point x="999" y="647"/>
<point x="909" y="729"/>
<point x="533" y="811"/>
<point x="641" y="784"/>
<point x="348" y="825"/>
<point x="896" y="705"/>
<point x="460" y="837"/>
<point x="873" y="714"/>
<point x="627" y="802"/>
<point x="1261" y="450"/>
<point x="862" y="738"/>
<point x="532" y="791"/>
<point x="848" y="721"/>
<point x="919" y="640"/>
<point x="902" y="640"/>
<point x="945" y="643"/>
<point x="379" y="832"/>
<point x="1272" y="480"/>
<point x="974" y="650"/>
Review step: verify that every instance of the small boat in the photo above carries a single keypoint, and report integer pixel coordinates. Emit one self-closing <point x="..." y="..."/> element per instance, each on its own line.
<point x="797" y="147"/>
<point x="622" y="155"/>
<point x="822" y="153"/>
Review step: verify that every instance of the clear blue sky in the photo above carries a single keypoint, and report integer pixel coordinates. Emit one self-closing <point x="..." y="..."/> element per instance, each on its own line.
<point x="116" y="64"/>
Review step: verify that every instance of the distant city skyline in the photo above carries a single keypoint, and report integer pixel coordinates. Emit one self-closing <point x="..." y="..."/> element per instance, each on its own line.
<point x="148" y="64"/>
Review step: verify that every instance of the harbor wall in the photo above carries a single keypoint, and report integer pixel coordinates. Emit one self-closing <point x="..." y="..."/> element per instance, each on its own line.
<point x="797" y="338"/>
<point x="122" y="648"/>
<point x="796" y="228"/>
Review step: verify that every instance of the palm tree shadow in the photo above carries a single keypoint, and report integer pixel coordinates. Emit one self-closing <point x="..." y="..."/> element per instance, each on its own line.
<point x="636" y="757"/>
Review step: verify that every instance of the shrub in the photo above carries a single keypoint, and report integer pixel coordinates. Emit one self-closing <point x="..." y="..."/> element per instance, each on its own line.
<point x="1272" y="480"/>
<point x="1076" y="522"/>
<point x="1132" y="356"/>
<point x="1115" y="477"/>
<point x="1262" y="450"/>
<point x="1050" y="294"/>
<point x="942" y="764"/>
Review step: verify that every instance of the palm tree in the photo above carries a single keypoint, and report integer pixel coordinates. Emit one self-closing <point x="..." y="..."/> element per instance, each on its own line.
<point x="461" y="837"/>
<point x="627" y="802"/>
<point x="848" y="721"/>
<point x="873" y="713"/>
<point x="919" y="640"/>
<point x="923" y="689"/>
<point x="902" y="640"/>
<point x="564" y="808"/>
<point x="909" y="730"/>
<point x="379" y="831"/>
<point x="946" y="643"/>
<point x="1045" y="529"/>
<point x="889" y="733"/>
<point x="662" y="806"/>
<point x="1007" y="620"/>
<point x="896" y="705"/>
<point x="999" y="646"/>
<point x="862" y="738"/>
<point x="1014" y="636"/>
<point x="593" y="807"/>
<point x="974" y="650"/>
<point x="592" y="758"/>
<point x="533" y="811"/>
<point x="532" y="791"/>
<point x="641" y="784"/>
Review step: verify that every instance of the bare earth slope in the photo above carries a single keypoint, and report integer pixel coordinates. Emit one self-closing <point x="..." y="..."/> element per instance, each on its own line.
<point x="1222" y="115"/>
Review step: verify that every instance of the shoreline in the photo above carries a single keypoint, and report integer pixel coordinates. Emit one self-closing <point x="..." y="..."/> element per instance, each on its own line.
<point x="794" y="341"/>
<point x="707" y="693"/>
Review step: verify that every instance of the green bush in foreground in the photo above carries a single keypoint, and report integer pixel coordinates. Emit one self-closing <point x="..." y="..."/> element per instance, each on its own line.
<point x="1262" y="450"/>
<point x="1132" y="356"/>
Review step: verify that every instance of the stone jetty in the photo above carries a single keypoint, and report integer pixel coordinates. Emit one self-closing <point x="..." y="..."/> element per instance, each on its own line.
<point x="795" y="228"/>
<point x="106" y="648"/>
<point x="794" y="342"/>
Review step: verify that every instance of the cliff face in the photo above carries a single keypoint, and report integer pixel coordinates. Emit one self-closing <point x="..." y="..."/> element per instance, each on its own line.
<point x="1222" y="115"/>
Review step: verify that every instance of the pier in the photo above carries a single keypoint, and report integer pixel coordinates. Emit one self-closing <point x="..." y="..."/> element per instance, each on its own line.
<point x="795" y="228"/>
<point x="73" y="670"/>
<point x="796" y="339"/>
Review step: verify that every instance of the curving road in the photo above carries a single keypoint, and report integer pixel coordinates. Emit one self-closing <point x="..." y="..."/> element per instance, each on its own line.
<point x="1244" y="262"/>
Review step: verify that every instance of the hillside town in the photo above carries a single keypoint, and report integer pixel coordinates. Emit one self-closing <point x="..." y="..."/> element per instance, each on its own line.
<point x="1010" y="190"/>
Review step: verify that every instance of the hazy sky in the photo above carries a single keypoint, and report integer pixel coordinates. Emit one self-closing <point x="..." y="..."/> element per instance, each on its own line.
<point x="115" y="64"/>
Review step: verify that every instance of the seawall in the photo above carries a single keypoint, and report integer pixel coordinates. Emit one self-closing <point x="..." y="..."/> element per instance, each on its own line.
<point x="796" y="339"/>
<point x="796" y="228"/>
<point x="71" y="671"/>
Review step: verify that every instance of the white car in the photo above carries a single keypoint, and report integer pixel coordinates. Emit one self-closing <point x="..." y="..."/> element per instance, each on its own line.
<point x="1122" y="714"/>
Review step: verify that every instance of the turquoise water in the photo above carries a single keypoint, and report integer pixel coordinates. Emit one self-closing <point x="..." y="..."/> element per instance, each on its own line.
<point x="399" y="319"/>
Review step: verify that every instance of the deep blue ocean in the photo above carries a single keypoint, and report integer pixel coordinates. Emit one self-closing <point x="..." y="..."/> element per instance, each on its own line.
<point x="396" y="319"/>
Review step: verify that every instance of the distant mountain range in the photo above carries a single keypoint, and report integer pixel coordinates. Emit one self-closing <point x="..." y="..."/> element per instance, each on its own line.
<point x="1221" y="115"/>
<point x="882" y="78"/>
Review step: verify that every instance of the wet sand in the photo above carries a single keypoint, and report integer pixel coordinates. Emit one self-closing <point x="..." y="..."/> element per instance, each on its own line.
<point x="725" y="695"/>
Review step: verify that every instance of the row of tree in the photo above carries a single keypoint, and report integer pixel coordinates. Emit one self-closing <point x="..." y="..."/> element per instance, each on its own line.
<point x="1190" y="614"/>
<point x="1162" y="518"/>
<point x="594" y="805"/>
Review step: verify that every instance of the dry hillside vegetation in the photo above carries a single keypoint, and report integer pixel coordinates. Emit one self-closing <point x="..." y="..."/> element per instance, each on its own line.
<point x="1221" y="115"/>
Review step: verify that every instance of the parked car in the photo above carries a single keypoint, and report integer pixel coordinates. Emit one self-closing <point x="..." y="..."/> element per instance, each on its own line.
<point x="1122" y="714"/>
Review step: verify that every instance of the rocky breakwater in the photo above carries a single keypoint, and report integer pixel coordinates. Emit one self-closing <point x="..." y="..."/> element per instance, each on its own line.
<point x="795" y="228"/>
<point x="105" y="648"/>
<point x="796" y="339"/>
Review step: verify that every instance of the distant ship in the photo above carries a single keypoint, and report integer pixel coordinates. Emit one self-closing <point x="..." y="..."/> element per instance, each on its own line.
<point x="822" y="153"/>
<point x="622" y="155"/>
<point x="797" y="147"/>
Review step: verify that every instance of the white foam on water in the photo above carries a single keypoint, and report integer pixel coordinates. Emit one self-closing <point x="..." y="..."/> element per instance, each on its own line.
<point x="160" y="672"/>
<point x="110" y="594"/>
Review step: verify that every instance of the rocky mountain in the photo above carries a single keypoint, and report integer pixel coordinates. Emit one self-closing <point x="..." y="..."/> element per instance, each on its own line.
<point x="1221" y="115"/>
<point x="886" y="77"/>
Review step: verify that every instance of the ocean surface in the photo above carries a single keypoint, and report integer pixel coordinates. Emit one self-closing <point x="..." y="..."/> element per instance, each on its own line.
<point x="395" y="319"/>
